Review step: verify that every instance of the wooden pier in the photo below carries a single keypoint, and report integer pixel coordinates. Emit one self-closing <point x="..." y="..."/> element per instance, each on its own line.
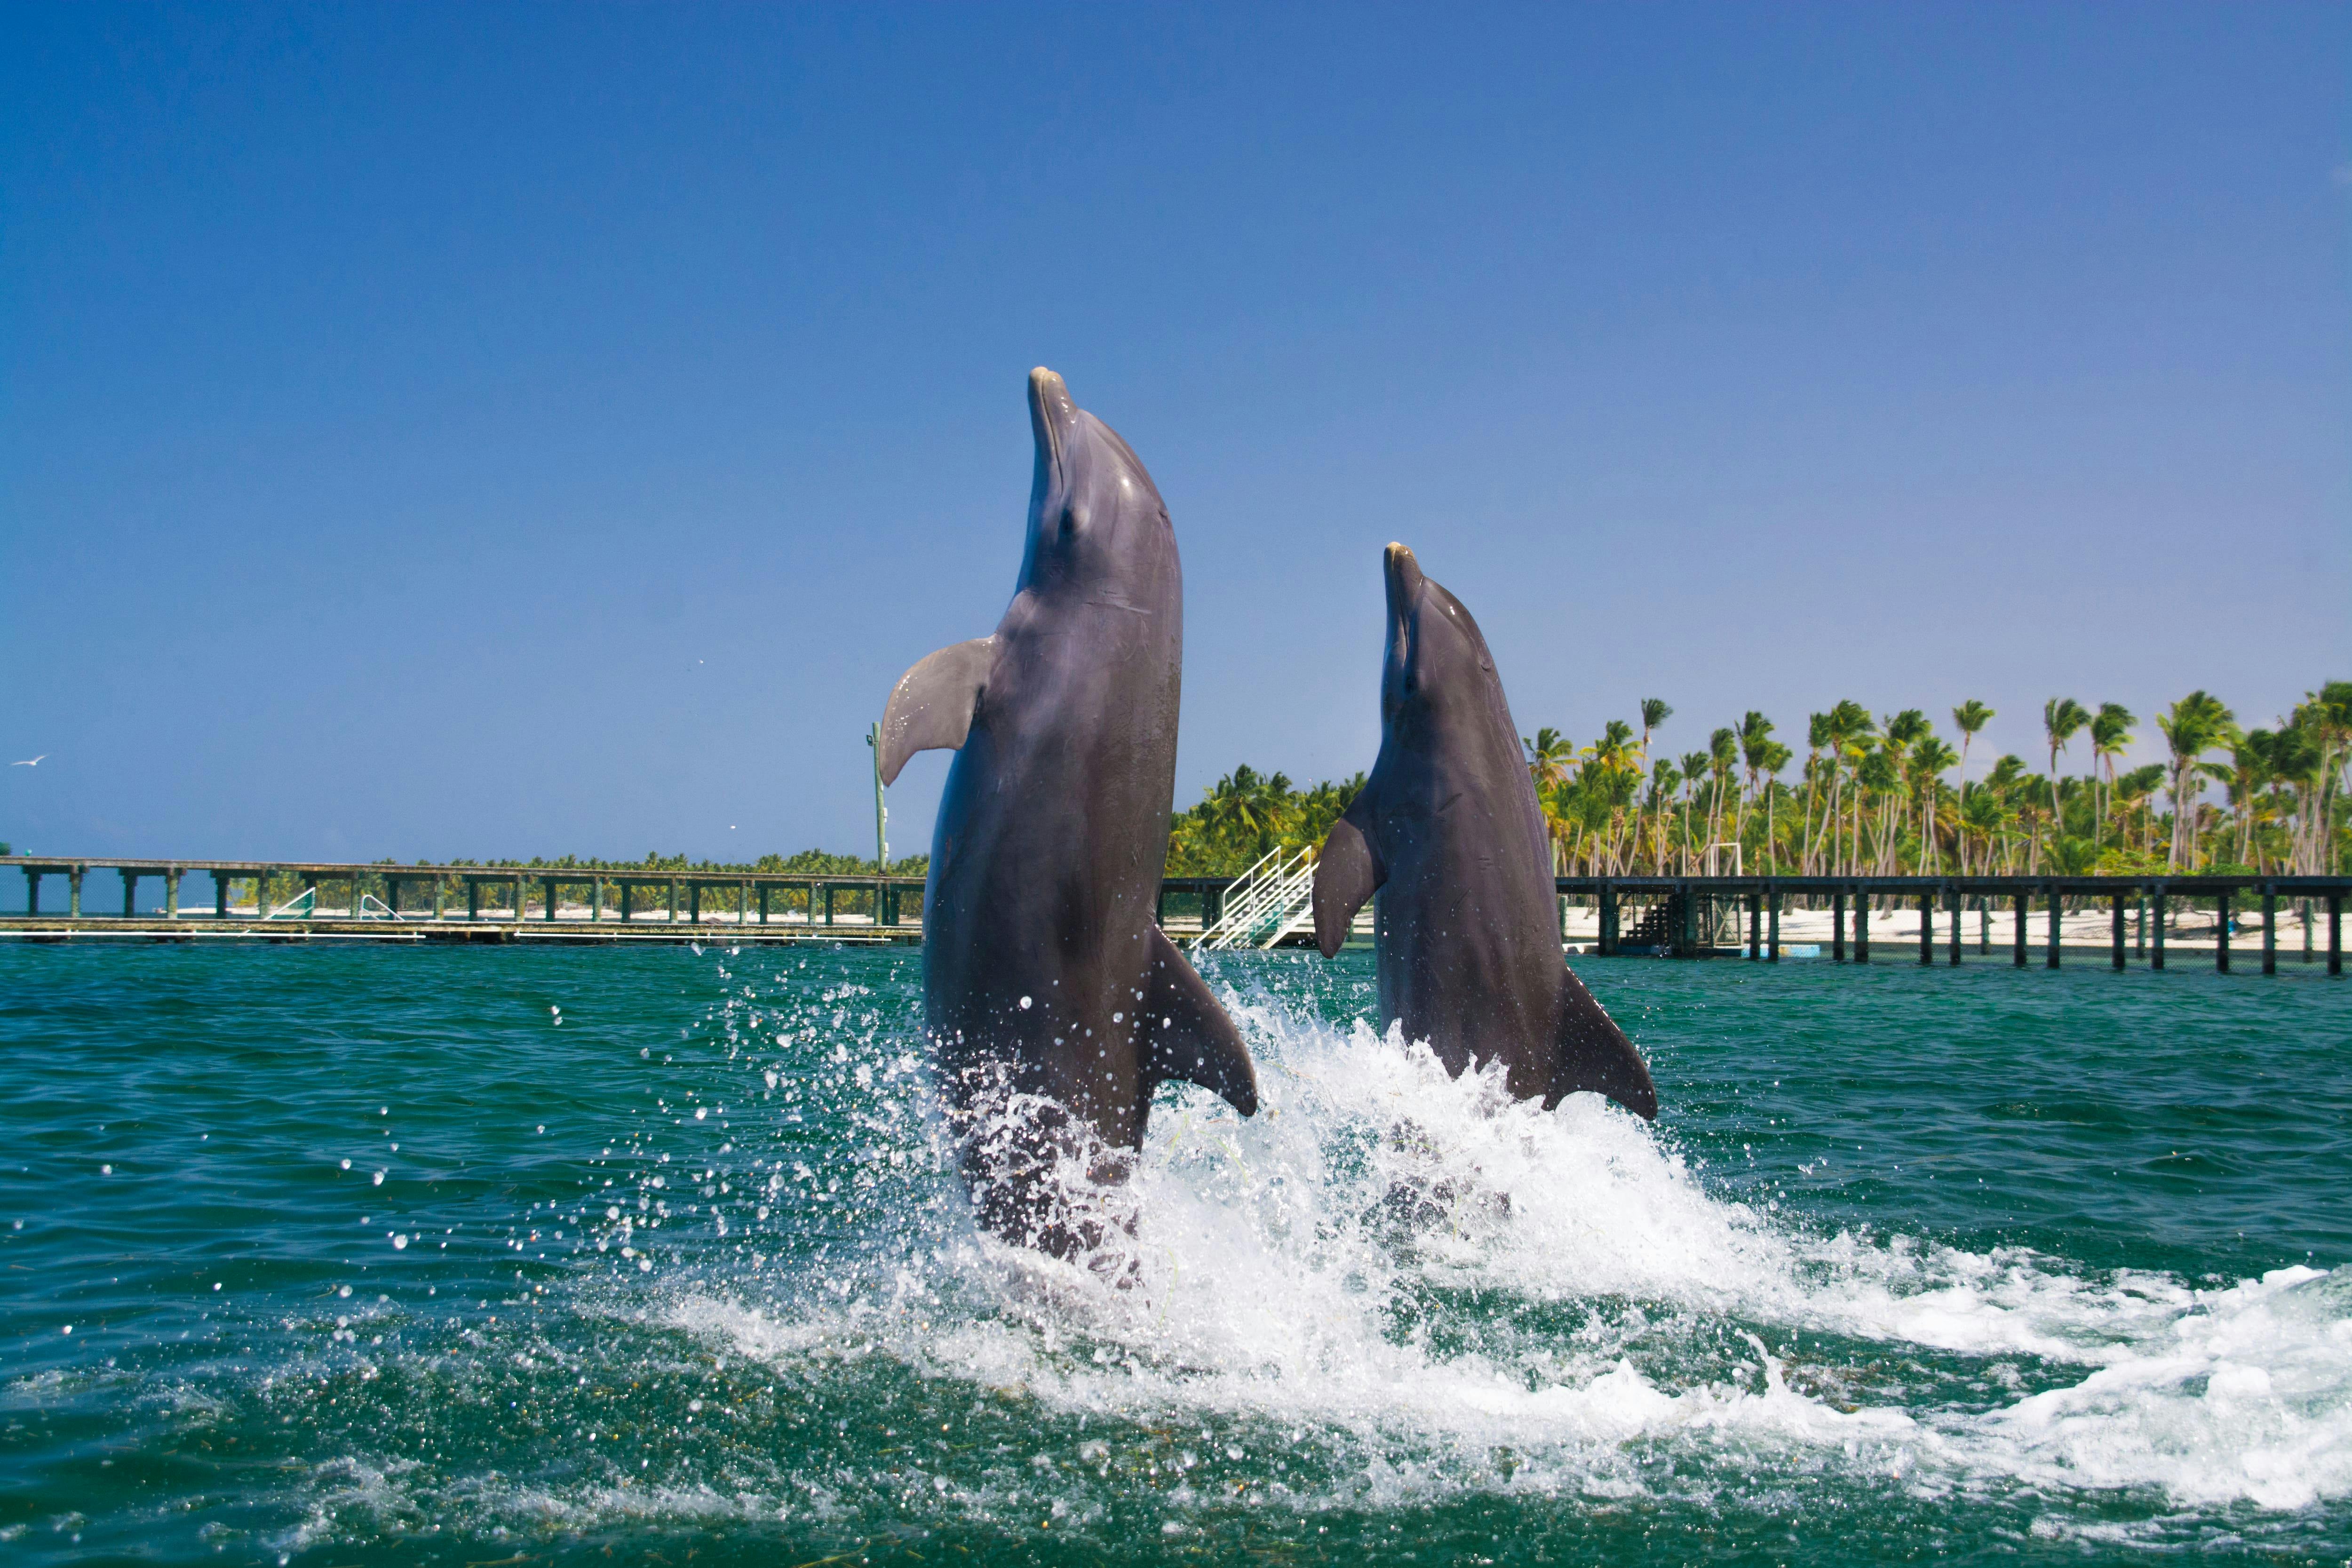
<point x="384" y="902"/>
<point x="1684" y="917"/>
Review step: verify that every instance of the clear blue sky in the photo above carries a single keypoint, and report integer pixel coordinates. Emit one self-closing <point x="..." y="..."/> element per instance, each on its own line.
<point x="499" y="430"/>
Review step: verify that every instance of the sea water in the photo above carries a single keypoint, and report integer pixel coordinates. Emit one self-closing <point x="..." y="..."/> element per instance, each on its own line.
<point x="377" y="1255"/>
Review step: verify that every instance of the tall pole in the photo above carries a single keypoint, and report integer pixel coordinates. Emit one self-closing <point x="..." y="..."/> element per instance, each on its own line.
<point x="881" y="823"/>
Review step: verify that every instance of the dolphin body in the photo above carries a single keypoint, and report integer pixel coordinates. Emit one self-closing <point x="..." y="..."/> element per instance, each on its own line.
<point x="1448" y="832"/>
<point x="1054" y="1001"/>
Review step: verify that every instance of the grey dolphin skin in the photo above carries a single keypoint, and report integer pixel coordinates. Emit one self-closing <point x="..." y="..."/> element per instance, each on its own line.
<point x="1054" y="1001"/>
<point x="1448" y="832"/>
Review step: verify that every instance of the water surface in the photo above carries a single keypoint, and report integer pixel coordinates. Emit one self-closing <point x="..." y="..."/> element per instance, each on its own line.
<point x="365" y="1254"/>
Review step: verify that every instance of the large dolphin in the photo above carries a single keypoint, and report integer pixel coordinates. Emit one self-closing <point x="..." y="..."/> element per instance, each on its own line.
<point x="1448" y="832"/>
<point x="1053" y="999"/>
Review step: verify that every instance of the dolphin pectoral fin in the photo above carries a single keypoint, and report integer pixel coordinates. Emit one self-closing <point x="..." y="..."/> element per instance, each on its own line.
<point x="1187" y="1038"/>
<point x="930" y="707"/>
<point x="1347" y="872"/>
<point x="1595" y="1055"/>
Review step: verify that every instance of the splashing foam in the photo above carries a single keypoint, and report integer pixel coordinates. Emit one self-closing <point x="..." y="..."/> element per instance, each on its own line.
<point x="1423" y="1272"/>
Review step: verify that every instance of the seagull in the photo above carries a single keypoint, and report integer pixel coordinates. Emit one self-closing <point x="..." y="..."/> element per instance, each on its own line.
<point x="29" y="761"/>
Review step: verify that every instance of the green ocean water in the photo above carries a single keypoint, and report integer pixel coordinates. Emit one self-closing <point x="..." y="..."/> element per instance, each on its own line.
<point x="375" y="1255"/>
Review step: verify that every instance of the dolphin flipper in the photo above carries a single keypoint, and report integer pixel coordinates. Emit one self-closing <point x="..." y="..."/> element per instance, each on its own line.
<point x="1187" y="1037"/>
<point x="930" y="707"/>
<point x="1595" y="1055"/>
<point x="1348" y="872"/>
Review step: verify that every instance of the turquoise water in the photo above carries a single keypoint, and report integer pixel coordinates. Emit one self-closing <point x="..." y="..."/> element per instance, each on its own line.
<point x="385" y="1255"/>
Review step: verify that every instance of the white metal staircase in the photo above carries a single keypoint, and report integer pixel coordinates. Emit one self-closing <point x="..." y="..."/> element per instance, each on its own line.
<point x="1271" y="900"/>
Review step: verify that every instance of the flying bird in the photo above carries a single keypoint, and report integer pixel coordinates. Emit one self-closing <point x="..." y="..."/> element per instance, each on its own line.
<point x="29" y="761"/>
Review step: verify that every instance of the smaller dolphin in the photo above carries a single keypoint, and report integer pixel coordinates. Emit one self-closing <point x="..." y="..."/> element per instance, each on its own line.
<point x="1447" y="831"/>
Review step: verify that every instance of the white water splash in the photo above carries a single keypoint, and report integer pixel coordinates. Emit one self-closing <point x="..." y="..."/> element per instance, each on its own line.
<point x="1446" y="1289"/>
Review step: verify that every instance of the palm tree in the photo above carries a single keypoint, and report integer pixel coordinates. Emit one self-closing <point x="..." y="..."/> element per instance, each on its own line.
<point x="1755" y="735"/>
<point x="1549" y="756"/>
<point x="2253" y="768"/>
<point x="1929" y="757"/>
<point x="2060" y="716"/>
<point x="2192" y="727"/>
<point x="2138" y="788"/>
<point x="1654" y="712"/>
<point x="1723" y="753"/>
<point x="1968" y="718"/>
<point x="1694" y="766"/>
<point x="1817" y="735"/>
<point x="2007" y="773"/>
<point x="2111" y="733"/>
<point x="1903" y="731"/>
<point x="1665" y="779"/>
<point x="1849" y="724"/>
<point x="1775" y="757"/>
<point x="1983" y="814"/>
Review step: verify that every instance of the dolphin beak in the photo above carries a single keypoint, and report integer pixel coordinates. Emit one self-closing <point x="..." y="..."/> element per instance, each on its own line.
<point x="1052" y="416"/>
<point x="1404" y="578"/>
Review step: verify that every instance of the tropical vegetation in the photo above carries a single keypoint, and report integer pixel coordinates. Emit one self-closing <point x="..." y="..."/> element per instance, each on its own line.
<point x="1889" y="795"/>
